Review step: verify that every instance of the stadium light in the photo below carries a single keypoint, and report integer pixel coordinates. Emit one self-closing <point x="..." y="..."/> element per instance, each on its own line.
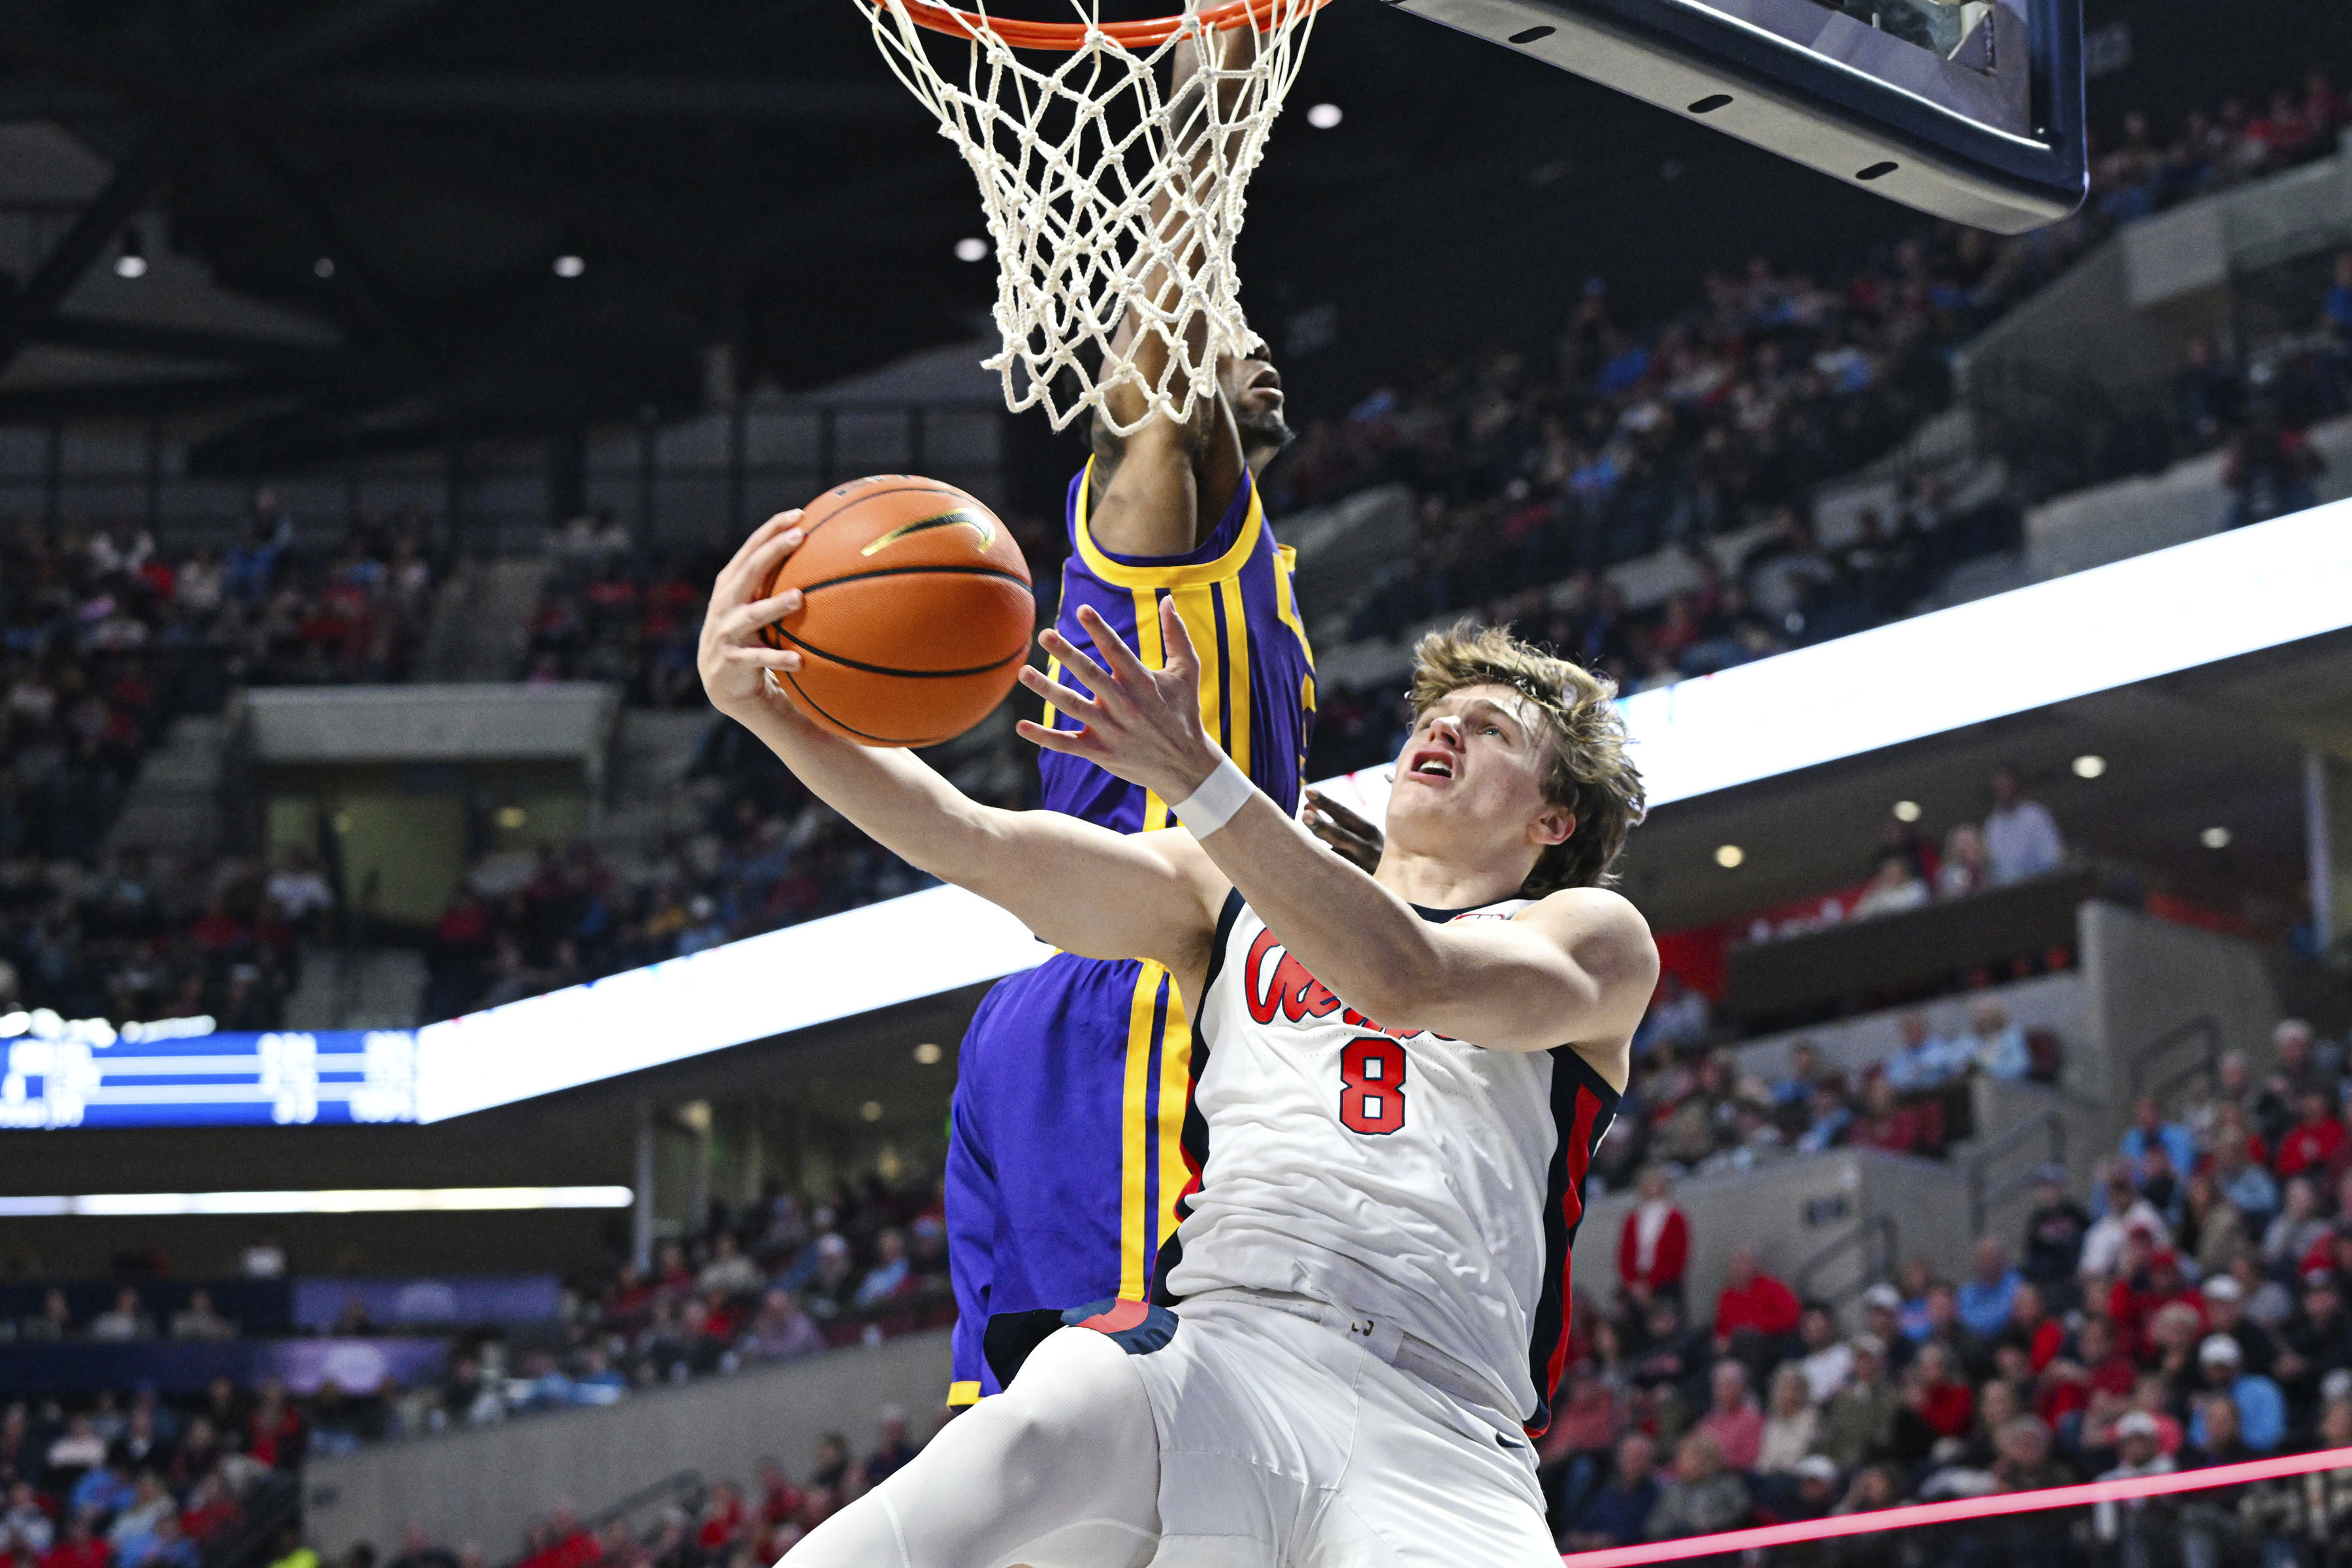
<point x="2089" y="766"/>
<point x="1906" y="811"/>
<point x="972" y="249"/>
<point x="132" y="261"/>
<point x="369" y="1200"/>
<point x="570" y="266"/>
<point x="870" y="1112"/>
<point x="1325" y="116"/>
<point x="323" y="267"/>
<point x="2214" y="838"/>
<point x="928" y="1053"/>
<point x="1730" y="857"/>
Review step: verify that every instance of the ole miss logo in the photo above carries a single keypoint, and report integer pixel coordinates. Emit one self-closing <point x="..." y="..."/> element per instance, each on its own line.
<point x="1372" y="1066"/>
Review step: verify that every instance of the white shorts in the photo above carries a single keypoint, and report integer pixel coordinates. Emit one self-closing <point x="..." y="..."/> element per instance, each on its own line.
<point x="1284" y="1443"/>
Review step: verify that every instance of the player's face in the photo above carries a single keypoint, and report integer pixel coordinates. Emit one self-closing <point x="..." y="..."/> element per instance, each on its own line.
<point x="1469" y="783"/>
<point x="1253" y="387"/>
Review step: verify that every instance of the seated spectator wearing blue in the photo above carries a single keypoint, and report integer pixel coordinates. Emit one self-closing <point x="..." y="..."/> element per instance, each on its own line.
<point x="2149" y="1129"/>
<point x="2021" y="836"/>
<point x="1679" y="1017"/>
<point x="1985" y="1299"/>
<point x="1830" y="1118"/>
<point x="1925" y="1060"/>
<point x="1805" y="1075"/>
<point x="1619" y="1514"/>
<point x="2335" y="310"/>
<point x="1997" y="1045"/>
<point x="2248" y="1188"/>
<point x="2262" y="1408"/>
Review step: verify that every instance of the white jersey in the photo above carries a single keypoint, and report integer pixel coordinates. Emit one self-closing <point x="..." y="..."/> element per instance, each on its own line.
<point x="1415" y="1178"/>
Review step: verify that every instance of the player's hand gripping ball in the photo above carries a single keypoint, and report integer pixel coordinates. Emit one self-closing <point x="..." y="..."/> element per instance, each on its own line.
<point x="915" y="615"/>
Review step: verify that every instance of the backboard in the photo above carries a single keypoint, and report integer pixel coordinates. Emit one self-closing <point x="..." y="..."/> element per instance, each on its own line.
<point x="1970" y="109"/>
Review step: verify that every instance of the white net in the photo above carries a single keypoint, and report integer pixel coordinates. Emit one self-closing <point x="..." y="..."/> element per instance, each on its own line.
<point x="1111" y="190"/>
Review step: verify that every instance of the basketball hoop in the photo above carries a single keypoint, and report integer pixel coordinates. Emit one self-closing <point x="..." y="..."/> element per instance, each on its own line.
<point x="1105" y="194"/>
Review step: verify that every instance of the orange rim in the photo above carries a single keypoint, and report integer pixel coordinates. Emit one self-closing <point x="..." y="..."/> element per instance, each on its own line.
<point x="1068" y="37"/>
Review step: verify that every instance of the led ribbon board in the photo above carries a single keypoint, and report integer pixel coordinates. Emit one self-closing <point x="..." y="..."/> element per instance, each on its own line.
<point x="286" y="1076"/>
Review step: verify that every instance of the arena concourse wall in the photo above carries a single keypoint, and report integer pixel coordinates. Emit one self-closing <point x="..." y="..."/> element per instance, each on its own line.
<point x="486" y="1484"/>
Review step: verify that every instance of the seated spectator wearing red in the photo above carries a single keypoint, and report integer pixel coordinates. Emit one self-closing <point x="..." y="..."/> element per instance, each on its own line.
<point x="1756" y="1316"/>
<point x="2151" y="1280"/>
<point x="76" y="1547"/>
<point x="1654" y="1249"/>
<point x="275" y="1434"/>
<point x="722" y="1516"/>
<point x="568" y="1542"/>
<point x="2316" y="1144"/>
<point x="1894" y="1127"/>
<point x="1938" y="1394"/>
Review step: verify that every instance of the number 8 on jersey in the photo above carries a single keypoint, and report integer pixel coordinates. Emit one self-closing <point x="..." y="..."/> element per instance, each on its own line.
<point x="1371" y="1084"/>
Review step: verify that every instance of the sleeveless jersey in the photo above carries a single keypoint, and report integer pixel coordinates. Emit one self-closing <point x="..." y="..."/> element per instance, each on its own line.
<point x="1064" y="1150"/>
<point x="1422" y="1180"/>
<point x="1257" y="676"/>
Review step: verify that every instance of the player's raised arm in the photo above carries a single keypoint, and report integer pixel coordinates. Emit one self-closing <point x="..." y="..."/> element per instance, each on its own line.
<point x="1163" y="486"/>
<point x="1082" y="888"/>
<point x="1574" y="968"/>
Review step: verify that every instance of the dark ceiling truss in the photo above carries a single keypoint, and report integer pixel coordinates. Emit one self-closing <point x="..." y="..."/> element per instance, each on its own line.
<point x="718" y="168"/>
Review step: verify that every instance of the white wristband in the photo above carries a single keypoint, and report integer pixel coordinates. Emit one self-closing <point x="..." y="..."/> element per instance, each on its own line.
<point x="1213" y="804"/>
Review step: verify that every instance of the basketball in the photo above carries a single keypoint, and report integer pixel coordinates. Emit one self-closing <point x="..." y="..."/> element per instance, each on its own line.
<point x="916" y="614"/>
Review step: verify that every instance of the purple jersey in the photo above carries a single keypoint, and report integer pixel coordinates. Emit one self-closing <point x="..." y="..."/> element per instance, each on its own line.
<point x="1258" y="678"/>
<point x="1066" y="1157"/>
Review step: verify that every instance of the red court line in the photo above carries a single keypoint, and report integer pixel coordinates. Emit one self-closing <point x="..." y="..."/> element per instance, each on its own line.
<point x="1962" y="1508"/>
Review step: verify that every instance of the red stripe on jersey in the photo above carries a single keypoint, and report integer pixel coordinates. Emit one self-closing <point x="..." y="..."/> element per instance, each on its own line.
<point x="1123" y="1315"/>
<point x="1576" y="1149"/>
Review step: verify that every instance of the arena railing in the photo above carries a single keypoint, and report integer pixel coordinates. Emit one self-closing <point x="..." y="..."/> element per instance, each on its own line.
<point x="1984" y="1193"/>
<point x="1875" y="1265"/>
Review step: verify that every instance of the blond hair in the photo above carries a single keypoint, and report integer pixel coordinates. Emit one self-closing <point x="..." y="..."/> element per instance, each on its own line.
<point x="1588" y="775"/>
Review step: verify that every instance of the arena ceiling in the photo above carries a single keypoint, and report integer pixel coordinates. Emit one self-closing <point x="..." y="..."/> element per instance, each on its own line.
<point x="359" y="206"/>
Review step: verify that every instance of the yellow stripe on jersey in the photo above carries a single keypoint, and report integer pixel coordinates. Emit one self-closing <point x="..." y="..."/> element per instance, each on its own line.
<point x="1134" y="1159"/>
<point x="1237" y="661"/>
<point x="1053" y="672"/>
<point x="1197" y="608"/>
<point x="1286" y="600"/>
<point x="1148" y="650"/>
<point x="1175" y="1093"/>
<point x="1198" y="575"/>
<point x="963" y="1394"/>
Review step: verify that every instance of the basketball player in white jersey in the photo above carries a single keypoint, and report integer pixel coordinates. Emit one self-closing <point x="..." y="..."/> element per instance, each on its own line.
<point x="1403" y="1079"/>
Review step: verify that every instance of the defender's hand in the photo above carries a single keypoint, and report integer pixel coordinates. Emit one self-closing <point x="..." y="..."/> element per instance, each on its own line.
<point x="1142" y="724"/>
<point x="733" y="661"/>
<point x="1354" y="839"/>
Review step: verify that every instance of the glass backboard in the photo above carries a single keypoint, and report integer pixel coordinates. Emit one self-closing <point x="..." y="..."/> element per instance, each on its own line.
<point x="1970" y="109"/>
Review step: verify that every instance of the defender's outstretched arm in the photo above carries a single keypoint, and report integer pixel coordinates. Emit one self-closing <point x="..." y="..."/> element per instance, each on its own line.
<point x="1165" y="487"/>
<point x="1083" y="888"/>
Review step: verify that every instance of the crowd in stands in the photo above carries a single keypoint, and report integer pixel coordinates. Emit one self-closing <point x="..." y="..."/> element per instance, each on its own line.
<point x="1535" y="468"/>
<point x="127" y="1481"/>
<point x="727" y="1523"/>
<point x="143" y="1482"/>
<point x="104" y="640"/>
<point x="2196" y="1311"/>
<point x="611" y="611"/>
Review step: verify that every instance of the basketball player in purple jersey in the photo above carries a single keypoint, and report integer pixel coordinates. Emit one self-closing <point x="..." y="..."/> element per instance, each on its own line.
<point x="1065" y="1160"/>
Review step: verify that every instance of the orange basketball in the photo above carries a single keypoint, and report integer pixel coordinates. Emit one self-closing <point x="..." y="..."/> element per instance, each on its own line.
<point x="917" y="613"/>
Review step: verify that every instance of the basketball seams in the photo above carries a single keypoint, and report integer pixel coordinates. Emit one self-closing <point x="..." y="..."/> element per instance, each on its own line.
<point x="801" y="692"/>
<point x="1021" y="652"/>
